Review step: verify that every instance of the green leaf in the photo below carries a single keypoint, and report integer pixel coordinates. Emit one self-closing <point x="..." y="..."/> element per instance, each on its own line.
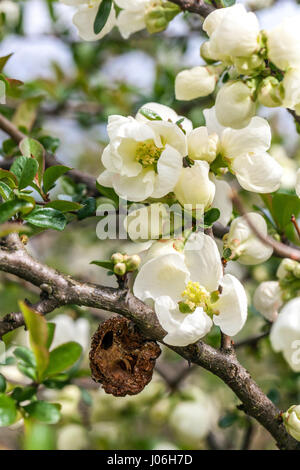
<point x="38" y="337"/>
<point x="228" y="420"/>
<point x="2" y="383"/>
<point x="284" y="206"/>
<point x="64" y="206"/>
<point x="3" y="60"/>
<point x="104" y="264"/>
<point x="88" y="210"/>
<point x="227" y="3"/>
<point x="63" y="357"/>
<point x="10" y="208"/>
<point x="46" y="217"/>
<point x="52" y="174"/>
<point x="102" y="15"/>
<point x="5" y="191"/>
<point x="26" y="113"/>
<point x="28" y="371"/>
<point x="31" y="148"/>
<point x="51" y="331"/>
<point x="5" y="174"/>
<point x="149" y="114"/>
<point x="44" y="411"/>
<point x="21" y="394"/>
<point x="26" y="355"/>
<point x="108" y="192"/>
<point x="8" y="411"/>
<point x="25" y="169"/>
<point x="38" y="436"/>
<point x="211" y="216"/>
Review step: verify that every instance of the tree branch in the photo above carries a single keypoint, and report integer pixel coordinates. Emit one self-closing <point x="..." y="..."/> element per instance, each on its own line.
<point x="195" y="6"/>
<point x="60" y="289"/>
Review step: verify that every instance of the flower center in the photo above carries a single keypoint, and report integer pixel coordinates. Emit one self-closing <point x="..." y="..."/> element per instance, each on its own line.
<point x="194" y="296"/>
<point x="147" y="153"/>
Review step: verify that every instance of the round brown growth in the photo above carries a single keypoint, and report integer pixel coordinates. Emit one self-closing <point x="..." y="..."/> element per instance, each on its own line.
<point x="121" y="359"/>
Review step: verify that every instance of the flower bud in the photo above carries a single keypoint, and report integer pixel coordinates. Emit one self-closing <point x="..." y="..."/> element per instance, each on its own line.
<point x="194" y="186"/>
<point x="194" y="83"/>
<point x="271" y="92"/>
<point x="283" y="44"/>
<point x="117" y="258"/>
<point x="206" y="53"/>
<point x="244" y="244"/>
<point x="286" y="266"/>
<point x="249" y="65"/>
<point x="267" y="299"/>
<point x="133" y="262"/>
<point x="202" y="146"/>
<point x="159" y="14"/>
<point x="291" y="419"/>
<point x="120" y="269"/>
<point x="234" y="105"/>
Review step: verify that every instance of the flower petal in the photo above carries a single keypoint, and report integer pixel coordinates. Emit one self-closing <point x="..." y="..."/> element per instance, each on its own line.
<point x="222" y="200"/>
<point x="84" y="20"/>
<point x="131" y="21"/>
<point x="232" y="306"/>
<point x="169" y="167"/>
<point x="137" y="188"/>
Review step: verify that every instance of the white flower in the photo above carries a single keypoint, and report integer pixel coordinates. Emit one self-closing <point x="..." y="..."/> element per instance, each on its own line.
<point x="68" y="329"/>
<point x="285" y="333"/>
<point x="222" y="200"/>
<point x="291" y="84"/>
<point x="267" y="299"/>
<point x="188" y="281"/>
<point x="291" y="419"/>
<point x="143" y="158"/>
<point x="232" y="32"/>
<point x="244" y="243"/>
<point x="297" y="187"/>
<point x="194" y="186"/>
<point x="245" y="151"/>
<point x="11" y="11"/>
<point x="72" y="437"/>
<point x="234" y="105"/>
<point x="148" y="222"/>
<point x="166" y="114"/>
<point x="132" y="17"/>
<point x="202" y="146"/>
<point x="85" y="17"/>
<point x="283" y="43"/>
<point x="194" y="83"/>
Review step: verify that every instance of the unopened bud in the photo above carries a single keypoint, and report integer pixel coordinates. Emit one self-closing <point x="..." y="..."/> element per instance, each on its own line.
<point x="271" y="92"/>
<point x="291" y="419"/>
<point x="117" y="258"/>
<point x="120" y="269"/>
<point x="159" y="15"/>
<point x="249" y="65"/>
<point x="286" y="266"/>
<point x="133" y="262"/>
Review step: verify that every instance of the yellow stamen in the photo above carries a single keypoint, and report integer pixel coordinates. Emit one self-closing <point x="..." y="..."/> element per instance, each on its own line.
<point x="147" y="153"/>
<point x="194" y="296"/>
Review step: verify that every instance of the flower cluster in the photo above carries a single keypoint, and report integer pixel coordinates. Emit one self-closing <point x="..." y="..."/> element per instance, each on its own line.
<point x="133" y="16"/>
<point x="251" y="66"/>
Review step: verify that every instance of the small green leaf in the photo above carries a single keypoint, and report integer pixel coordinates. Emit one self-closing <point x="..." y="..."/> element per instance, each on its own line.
<point x="109" y="193"/>
<point x="64" y="206"/>
<point x="5" y="191"/>
<point x="28" y="371"/>
<point x="10" y="208"/>
<point x="149" y="114"/>
<point x="227" y="3"/>
<point x="211" y="216"/>
<point x="5" y="174"/>
<point x="44" y="411"/>
<point x="104" y="264"/>
<point x="51" y="331"/>
<point x="63" y="357"/>
<point x="46" y="217"/>
<point x="38" y="336"/>
<point x="25" y="169"/>
<point x="227" y="253"/>
<point x="88" y="210"/>
<point x="21" y="394"/>
<point x="52" y="174"/>
<point x="2" y="383"/>
<point x="3" y="60"/>
<point x="26" y="355"/>
<point x="31" y="148"/>
<point x="8" y="411"/>
<point x="228" y="420"/>
<point x="102" y="15"/>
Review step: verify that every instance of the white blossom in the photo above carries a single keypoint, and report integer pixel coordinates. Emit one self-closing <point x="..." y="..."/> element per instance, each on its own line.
<point x="222" y="200"/>
<point x="201" y="145"/>
<point x="291" y="419"/>
<point x="285" y="334"/>
<point x="188" y="281"/>
<point x="234" y="105"/>
<point x="283" y="43"/>
<point x="245" y="152"/>
<point x="232" y="32"/>
<point x="144" y="157"/>
<point x="244" y="244"/>
<point x="195" y="83"/>
<point x="132" y="16"/>
<point x="268" y="300"/>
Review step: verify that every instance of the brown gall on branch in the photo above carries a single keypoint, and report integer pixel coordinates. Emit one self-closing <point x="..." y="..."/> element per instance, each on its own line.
<point x="121" y="358"/>
<point x="78" y="176"/>
<point x="280" y="249"/>
<point x="66" y="290"/>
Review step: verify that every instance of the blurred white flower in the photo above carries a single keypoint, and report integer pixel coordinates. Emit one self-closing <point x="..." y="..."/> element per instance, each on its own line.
<point x="245" y="151"/>
<point x="148" y="222"/>
<point x="234" y="105"/>
<point x="68" y="329"/>
<point x="244" y="244"/>
<point x="194" y="186"/>
<point x="72" y="437"/>
<point x="283" y="43"/>
<point x="288" y="165"/>
<point x="291" y="84"/>
<point x="291" y="419"/>
<point x="285" y="333"/>
<point x="268" y="300"/>
<point x="144" y="157"/>
<point x="132" y="16"/>
<point x="11" y="11"/>
<point x="195" y="83"/>
<point x="183" y="286"/>
<point x="232" y="32"/>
